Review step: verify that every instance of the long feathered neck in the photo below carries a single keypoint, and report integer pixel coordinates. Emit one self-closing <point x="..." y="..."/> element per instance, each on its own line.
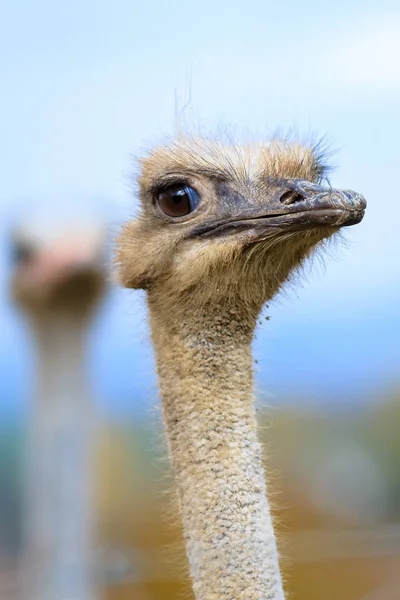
<point x="59" y="483"/>
<point x="60" y="342"/>
<point x="204" y="367"/>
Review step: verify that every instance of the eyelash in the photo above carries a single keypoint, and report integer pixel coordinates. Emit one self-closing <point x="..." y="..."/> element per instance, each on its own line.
<point x="161" y="187"/>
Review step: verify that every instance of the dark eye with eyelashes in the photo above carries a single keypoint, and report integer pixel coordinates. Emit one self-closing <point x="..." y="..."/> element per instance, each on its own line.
<point x="177" y="200"/>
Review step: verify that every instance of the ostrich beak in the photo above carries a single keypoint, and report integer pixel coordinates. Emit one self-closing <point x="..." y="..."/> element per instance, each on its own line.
<point x="289" y="206"/>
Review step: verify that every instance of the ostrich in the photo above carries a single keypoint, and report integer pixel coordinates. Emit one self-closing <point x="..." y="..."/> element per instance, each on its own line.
<point x="58" y="280"/>
<point x="220" y="229"/>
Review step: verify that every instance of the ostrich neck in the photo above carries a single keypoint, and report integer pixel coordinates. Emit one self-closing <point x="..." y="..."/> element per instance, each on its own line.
<point x="204" y="367"/>
<point x="60" y="351"/>
<point x="59" y="503"/>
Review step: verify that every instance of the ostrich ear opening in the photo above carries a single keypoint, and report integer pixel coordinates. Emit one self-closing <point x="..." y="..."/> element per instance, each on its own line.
<point x="130" y="277"/>
<point x="141" y="257"/>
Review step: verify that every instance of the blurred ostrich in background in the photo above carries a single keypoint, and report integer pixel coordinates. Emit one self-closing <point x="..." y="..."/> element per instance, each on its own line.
<point x="58" y="282"/>
<point x="221" y="229"/>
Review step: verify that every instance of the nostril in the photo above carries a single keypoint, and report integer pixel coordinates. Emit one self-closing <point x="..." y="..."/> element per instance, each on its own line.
<point x="291" y="197"/>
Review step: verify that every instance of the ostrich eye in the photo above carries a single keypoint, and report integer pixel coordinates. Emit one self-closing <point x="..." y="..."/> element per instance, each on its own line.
<point x="22" y="253"/>
<point x="178" y="200"/>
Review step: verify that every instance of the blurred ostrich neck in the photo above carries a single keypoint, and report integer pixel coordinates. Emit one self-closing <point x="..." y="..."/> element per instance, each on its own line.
<point x="60" y="515"/>
<point x="60" y="344"/>
<point x="205" y="371"/>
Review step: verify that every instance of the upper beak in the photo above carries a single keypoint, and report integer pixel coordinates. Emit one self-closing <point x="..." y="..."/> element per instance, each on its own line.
<point x="291" y="205"/>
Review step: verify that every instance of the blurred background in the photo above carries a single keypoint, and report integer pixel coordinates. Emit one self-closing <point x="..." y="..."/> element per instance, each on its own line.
<point x="85" y="88"/>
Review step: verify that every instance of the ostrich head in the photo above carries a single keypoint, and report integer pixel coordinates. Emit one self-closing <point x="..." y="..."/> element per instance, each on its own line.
<point x="58" y="268"/>
<point x="224" y="221"/>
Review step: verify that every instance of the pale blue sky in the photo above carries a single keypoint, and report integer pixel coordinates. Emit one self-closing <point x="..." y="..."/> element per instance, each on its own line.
<point x="86" y="85"/>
